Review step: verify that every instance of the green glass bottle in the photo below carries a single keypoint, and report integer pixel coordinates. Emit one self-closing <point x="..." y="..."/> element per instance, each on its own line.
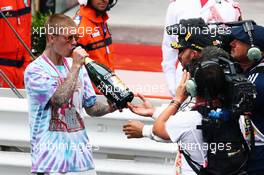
<point x="108" y="83"/>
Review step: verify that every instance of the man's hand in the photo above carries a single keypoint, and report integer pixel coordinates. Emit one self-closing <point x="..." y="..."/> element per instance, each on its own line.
<point x="78" y="56"/>
<point x="144" y="109"/>
<point x="133" y="129"/>
<point x="180" y="94"/>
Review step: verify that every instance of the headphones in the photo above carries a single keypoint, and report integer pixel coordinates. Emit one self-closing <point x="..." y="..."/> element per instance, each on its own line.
<point x="191" y="85"/>
<point x="254" y="53"/>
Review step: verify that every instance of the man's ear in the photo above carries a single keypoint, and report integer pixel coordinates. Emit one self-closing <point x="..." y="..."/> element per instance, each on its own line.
<point x="195" y="54"/>
<point x="50" y="38"/>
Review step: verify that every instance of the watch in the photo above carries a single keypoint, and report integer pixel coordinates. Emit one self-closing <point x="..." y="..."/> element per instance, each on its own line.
<point x="175" y="102"/>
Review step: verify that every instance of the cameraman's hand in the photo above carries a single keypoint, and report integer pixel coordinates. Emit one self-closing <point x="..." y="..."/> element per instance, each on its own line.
<point x="133" y="129"/>
<point x="78" y="56"/>
<point x="143" y="109"/>
<point x="180" y="94"/>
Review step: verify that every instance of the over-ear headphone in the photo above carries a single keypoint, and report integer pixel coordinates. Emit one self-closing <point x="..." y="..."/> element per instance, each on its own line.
<point x="254" y="53"/>
<point x="191" y="85"/>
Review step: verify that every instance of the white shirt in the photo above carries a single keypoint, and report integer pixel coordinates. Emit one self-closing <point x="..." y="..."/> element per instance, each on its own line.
<point x="212" y="11"/>
<point x="147" y="129"/>
<point x="182" y="130"/>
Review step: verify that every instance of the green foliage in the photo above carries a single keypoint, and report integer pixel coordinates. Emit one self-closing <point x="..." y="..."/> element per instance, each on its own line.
<point x="38" y="36"/>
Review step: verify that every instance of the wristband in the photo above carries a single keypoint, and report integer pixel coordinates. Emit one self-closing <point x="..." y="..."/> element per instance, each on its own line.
<point x="147" y="131"/>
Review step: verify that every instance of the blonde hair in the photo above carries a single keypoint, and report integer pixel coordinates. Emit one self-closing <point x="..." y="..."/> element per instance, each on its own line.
<point x="59" y="24"/>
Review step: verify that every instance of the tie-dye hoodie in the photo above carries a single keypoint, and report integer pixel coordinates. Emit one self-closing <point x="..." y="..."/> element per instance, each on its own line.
<point x="58" y="139"/>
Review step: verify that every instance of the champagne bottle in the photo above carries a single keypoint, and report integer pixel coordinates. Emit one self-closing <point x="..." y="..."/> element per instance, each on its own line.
<point x="108" y="83"/>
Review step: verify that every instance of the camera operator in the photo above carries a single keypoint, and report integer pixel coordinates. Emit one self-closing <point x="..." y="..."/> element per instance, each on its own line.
<point x="245" y="45"/>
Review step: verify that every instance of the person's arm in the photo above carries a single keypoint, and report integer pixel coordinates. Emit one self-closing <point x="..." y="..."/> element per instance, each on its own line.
<point x="137" y="129"/>
<point x="147" y="131"/>
<point x="133" y="129"/>
<point x="170" y="55"/>
<point x="93" y="107"/>
<point x="66" y="89"/>
<point x="100" y="109"/>
<point x="159" y="125"/>
<point x="144" y="109"/>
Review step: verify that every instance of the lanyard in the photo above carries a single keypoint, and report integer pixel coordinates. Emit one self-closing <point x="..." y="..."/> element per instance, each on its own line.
<point x="65" y="64"/>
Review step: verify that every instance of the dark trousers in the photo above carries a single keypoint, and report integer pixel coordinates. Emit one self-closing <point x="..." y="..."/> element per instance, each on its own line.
<point x="256" y="161"/>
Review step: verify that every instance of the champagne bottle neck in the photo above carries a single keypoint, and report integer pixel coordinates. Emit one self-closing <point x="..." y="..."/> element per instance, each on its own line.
<point x="87" y="60"/>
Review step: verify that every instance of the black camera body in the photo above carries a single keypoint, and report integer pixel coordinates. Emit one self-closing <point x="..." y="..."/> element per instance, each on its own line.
<point x="240" y="93"/>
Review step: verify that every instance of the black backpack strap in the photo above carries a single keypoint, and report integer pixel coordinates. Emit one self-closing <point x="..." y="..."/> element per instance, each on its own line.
<point x="244" y="142"/>
<point x="97" y="44"/>
<point x="16" y="13"/>
<point x="13" y="63"/>
<point x="252" y="136"/>
<point x="191" y="162"/>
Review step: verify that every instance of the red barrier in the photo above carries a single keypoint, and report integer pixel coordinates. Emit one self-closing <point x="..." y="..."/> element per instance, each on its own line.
<point x="137" y="57"/>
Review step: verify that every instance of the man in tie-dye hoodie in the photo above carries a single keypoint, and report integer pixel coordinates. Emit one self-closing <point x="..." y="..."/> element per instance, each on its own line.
<point x="58" y="88"/>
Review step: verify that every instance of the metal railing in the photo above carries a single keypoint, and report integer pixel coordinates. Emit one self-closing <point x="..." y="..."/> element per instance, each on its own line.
<point x="114" y="153"/>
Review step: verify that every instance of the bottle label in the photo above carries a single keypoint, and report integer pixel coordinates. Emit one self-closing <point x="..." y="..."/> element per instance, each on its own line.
<point x="108" y="90"/>
<point x="118" y="83"/>
<point x="109" y="75"/>
<point x="117" y="89"/>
